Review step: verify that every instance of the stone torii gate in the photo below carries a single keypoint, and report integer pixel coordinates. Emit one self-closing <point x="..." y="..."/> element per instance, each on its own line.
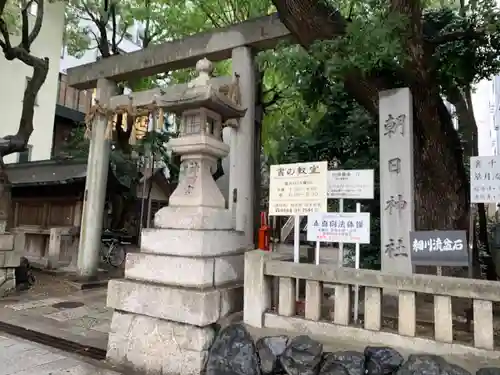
<point x="239" y="42"/>
<point x="189" y="273"/>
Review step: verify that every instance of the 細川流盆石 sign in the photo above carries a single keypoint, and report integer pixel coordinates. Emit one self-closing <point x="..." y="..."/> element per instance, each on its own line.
<point x="345" y="227"/>
<point x="298" y="189"/>
<point x="439" y="248"/>
<point x="350" y="184"/>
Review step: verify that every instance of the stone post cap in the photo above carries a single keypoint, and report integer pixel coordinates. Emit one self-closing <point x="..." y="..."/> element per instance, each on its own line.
<point x="205" y="68"/>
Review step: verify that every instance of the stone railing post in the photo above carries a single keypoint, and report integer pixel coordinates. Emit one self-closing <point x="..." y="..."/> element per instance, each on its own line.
<point x="54" y="248"/>
<point x="257" y="295"/>
<point x="9" y="260"/>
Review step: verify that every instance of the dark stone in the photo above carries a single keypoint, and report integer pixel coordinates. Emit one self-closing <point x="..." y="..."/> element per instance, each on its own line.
<point x="269" y="350"/>
<point x="233" y="353"/>
<point x="332" y="368"/>
<point x="354" y="362"/>
<point x="24" y="275"/>
<point x="382" y="360"/>
<point x="302" y="356"/>
<point x="488" y="371"/>
<point x="427" y="364"/>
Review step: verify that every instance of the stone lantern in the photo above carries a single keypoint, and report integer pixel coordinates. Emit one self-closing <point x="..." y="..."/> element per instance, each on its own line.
<point x="203" y="110"/>
<point x="188" y="275"/>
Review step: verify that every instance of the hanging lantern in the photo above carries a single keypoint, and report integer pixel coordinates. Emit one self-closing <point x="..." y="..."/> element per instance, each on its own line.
<point x="141" y="127"/>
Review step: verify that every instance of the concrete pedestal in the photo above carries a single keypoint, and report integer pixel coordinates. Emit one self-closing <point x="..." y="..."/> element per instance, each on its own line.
<point x="9" y="260"/>
<point x="187" y="277"/>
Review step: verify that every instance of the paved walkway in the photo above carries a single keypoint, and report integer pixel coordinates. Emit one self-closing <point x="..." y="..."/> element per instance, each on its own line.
<point x="80" y="317"/>
<point x="20" y="357"/>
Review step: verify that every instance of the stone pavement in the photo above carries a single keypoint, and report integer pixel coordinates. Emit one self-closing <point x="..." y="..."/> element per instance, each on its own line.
<point x="80" y="316"/>
<point x="21" y="357"/>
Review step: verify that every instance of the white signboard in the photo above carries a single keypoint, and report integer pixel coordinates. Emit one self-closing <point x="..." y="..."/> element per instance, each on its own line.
<point x="346" y="227"/>
<point x="351" y="184"/>
<point x="298" y="189"/>
<point x="485" y="179"/>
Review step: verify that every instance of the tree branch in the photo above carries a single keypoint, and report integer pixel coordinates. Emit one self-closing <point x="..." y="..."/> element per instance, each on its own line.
<point x="96" y="38"/>
<point x="25" y="25"/>
<point x="209" y="15"/>
<point x="38" y="23"/>
<point x="276" y="97"/>
<point x="18" y="142"/>
<point x="122" y="36"/>
<point x="455" y="36"/>
<point x="3" y="3"/>
<point x="6" y="45"/>
<point x="90" y="13"/>
<point x="114" y="46"/>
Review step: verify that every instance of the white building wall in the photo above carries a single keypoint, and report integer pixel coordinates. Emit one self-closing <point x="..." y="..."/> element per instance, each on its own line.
<point x="13" y="76"/>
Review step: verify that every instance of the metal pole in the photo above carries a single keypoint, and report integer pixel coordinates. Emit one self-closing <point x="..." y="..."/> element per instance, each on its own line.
<point x="296" y="250"/>
<point x="151" y="170"/>
<point x="472" y="221"/>
<point x="356" y="265"/>
<point x="341" y="244"/>
<point x="143" y="193"/>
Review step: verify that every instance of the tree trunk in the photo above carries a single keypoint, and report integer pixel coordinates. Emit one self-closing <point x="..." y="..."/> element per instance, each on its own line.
<point x="17" y="143"/>
<point x="441" y="187"/>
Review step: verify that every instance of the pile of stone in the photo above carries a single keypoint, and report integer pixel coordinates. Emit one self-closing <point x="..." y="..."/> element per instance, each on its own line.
<point x="234" y="353"/>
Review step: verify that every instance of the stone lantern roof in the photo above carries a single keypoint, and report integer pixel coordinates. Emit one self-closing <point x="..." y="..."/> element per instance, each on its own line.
<point x="200" y="93"/>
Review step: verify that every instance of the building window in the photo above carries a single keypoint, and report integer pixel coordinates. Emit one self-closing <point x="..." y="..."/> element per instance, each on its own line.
<point x="33" y="7"/>
<point x="25" y="156"/>
<point x="28" y="79"/>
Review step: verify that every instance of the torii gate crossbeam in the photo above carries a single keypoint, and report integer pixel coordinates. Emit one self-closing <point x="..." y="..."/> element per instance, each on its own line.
<point x="216" y="45"/>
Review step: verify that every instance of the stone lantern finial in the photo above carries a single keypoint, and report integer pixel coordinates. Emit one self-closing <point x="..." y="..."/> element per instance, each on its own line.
<point x="205" y="68"/>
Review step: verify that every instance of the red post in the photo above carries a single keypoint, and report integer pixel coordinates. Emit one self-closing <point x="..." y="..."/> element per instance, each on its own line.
<point x="264" y="233"/>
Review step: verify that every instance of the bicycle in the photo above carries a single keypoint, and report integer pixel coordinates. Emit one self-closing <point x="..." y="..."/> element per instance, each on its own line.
<point x="113" y="251"/>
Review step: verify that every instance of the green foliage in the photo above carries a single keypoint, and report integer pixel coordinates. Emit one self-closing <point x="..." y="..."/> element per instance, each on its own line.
<point x="469" y="44"/>
<point x="371" y="41"/>
<point x="11" y="15"/>
<point x="127" y="167"/>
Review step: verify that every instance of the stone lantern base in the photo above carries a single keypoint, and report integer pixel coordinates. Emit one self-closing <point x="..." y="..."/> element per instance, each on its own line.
<point x="188" y="275"/>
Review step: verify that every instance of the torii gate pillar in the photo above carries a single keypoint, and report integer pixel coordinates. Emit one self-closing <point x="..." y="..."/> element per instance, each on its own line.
<point x="241" y="158"/>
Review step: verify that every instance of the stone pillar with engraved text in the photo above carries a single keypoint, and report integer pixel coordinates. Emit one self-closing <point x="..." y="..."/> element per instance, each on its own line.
<point x="396" y="180"/>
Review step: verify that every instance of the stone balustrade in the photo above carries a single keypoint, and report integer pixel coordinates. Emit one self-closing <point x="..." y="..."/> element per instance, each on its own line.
<point x="270" y="302"/>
